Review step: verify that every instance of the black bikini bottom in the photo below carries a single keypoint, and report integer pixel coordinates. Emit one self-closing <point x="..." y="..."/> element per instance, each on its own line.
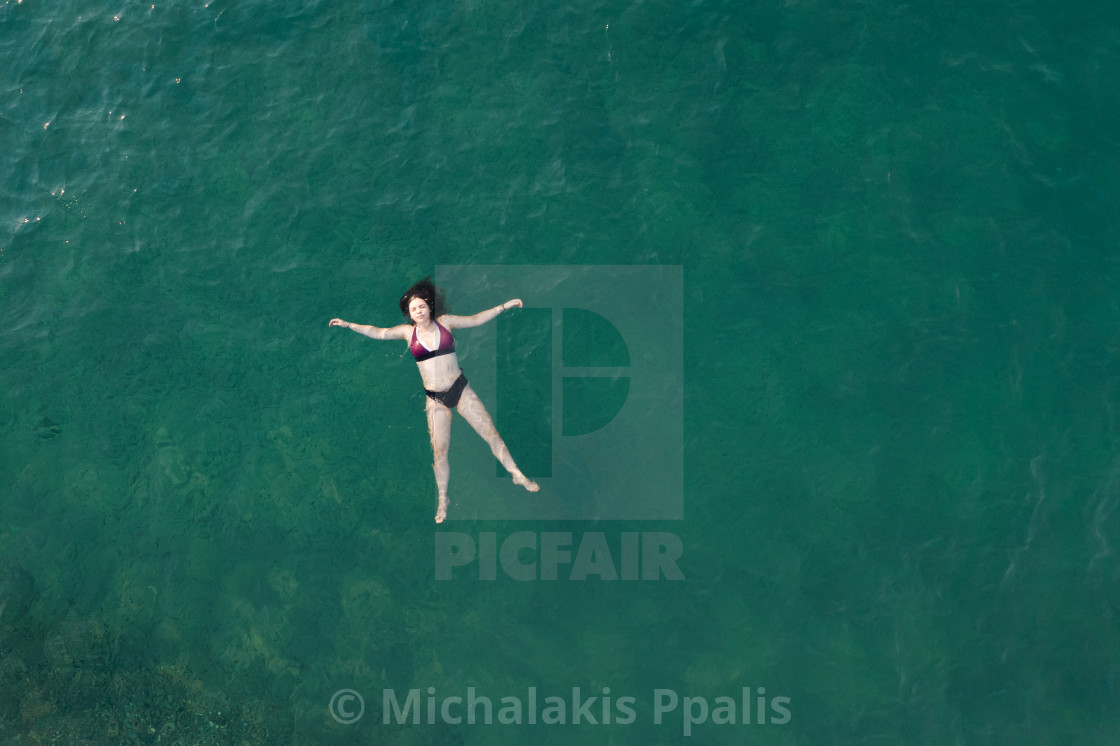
<point x="450" y="398"/>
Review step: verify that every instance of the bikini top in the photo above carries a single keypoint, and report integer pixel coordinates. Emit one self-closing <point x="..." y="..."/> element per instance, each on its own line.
<point x="421" y="351"/>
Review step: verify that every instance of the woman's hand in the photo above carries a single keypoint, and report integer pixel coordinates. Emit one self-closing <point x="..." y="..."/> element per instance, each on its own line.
<point x="515" y="303"/>
<point x="339" y="322"/>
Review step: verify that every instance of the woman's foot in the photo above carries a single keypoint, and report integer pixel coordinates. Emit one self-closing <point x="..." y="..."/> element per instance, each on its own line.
<point x="441" y="511"/>
<point x="524" y="481"/>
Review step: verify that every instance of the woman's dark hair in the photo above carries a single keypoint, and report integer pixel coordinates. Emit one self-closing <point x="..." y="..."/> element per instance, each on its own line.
<point x="427" y="291"/>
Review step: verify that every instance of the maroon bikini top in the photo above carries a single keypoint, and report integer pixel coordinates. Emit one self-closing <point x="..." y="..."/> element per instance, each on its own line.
<point x="446" y="344"/>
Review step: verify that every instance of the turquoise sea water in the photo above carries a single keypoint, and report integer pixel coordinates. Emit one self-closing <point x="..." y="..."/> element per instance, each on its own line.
<point x="897" y="226"/>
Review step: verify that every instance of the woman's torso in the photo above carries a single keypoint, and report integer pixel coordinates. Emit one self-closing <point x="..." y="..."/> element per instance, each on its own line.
<point x="440" y="371"/>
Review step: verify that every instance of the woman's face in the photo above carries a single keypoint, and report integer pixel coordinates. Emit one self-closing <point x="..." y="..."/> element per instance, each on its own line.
<point x="418" y="310"/>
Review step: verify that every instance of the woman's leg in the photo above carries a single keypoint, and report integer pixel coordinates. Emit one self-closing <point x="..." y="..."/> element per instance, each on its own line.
<point x="439" y="429"/>
<point x="470" y="406"/>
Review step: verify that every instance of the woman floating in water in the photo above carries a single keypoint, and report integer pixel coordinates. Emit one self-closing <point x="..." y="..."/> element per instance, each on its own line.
<point x="430" y="342"/>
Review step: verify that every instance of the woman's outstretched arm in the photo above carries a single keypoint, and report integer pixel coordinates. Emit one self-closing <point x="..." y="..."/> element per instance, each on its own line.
<point x="480" y="318"/>
<point x="375" y="332"/>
